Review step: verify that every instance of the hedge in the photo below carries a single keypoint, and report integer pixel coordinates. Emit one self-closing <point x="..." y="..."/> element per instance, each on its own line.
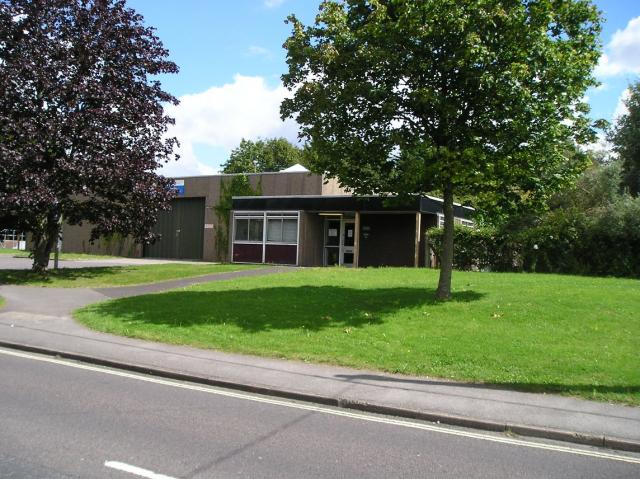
<point x="602" y="242"/>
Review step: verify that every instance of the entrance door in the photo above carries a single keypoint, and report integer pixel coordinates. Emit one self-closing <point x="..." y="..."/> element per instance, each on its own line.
<point x="347" y="242"/>
<point x="332" y="242"/>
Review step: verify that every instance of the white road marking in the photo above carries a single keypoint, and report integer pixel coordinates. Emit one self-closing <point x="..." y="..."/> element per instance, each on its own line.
<point x="138" y="471"/>
<point x="327" y="410"/>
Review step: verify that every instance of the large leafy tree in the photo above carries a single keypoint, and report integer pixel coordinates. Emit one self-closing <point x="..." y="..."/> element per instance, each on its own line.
<point x="463" y="97"/>
<point x="273" y="154"/>
<point x="81" y="119"/>
<point x="625" y="138"/>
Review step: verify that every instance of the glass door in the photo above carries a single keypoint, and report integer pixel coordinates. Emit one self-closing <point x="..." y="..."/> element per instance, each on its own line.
<point x="347" y="242"/>
<point x="332" y="242"/>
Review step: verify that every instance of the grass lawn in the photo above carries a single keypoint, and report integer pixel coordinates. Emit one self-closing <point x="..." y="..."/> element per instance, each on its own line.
<point x="63" y="256"/>
<point x="114" y="275"/>
<point x="565" y="334"/>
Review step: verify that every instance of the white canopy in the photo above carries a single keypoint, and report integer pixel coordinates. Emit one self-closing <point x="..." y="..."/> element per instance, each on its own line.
<point x="297" y="168"/>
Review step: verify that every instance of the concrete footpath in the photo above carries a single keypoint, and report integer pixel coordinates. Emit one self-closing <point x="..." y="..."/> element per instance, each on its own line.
<point x="38" y="319"/>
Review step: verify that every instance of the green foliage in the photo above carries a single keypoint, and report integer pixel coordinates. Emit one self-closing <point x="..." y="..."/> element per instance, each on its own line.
<point x="597" y="186"/>
<point x="237" y="185"/>
<point x="625" y="137"/>
<point x="484" y="248"/>
<point x="115" y="243"/>
<point x="612" y="243"/>
<point x="408" y="96"/>
<point x="261" y="156"/>
<point x="479" y="98"/>
<point x="591" y="229"/>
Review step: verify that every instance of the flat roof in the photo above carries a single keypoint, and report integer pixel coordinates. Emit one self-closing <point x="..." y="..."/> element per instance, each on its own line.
<point x="343" y="203"/>
<point x="217" y="175"/>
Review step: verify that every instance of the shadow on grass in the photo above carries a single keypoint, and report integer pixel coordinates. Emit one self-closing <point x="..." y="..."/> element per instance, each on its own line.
<point x="581" y="389"/>
<point x="262" y="309"/>
<point x="24" y="277"/>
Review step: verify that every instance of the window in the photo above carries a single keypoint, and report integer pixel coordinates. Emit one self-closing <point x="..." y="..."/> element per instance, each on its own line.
<point x="242" y="229"/>
<point x="332" y="232"/>
<point x="463" y="222"/>
<point x="467" y="223"/>
<point x="265" y="237"/>
<point x="249" y="229"/>
<point x="282" y="230"/>
<point x="290" y="231"/>
<point x="456" y="221"/>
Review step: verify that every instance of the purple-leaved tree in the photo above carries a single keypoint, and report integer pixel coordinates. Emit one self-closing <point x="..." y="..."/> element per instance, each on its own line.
<point x="82" y="125"/>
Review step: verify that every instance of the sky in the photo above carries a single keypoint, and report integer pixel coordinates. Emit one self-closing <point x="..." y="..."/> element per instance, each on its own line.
<point x="231" y="59"/>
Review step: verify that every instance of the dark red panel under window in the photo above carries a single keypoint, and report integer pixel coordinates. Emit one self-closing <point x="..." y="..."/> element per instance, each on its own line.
<point x="247" y="253"/>
<point x="280" y="254"/>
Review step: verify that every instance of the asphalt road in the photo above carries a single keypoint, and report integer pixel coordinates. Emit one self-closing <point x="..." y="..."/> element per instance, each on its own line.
<point x="60" y="419"/>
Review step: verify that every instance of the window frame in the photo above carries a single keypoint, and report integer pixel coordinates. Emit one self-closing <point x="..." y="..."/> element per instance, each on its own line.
<point x="248" y="218"/>
<point x="265" y="216"/>
<point x="456" y="221"/>
<point x="281" y="218"/>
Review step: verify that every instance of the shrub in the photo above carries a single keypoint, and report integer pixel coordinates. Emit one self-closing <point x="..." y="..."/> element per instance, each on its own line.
<point x="475" y="248"/>
<point x="601" y="241"/>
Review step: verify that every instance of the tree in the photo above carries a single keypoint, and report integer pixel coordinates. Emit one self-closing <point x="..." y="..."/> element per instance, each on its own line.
<point x="597" y="187"/>
<point x="259" y="156"/>
<point x="625" y="138"/>
<point x="462" y="97"/>
<point x="81" y="119"/>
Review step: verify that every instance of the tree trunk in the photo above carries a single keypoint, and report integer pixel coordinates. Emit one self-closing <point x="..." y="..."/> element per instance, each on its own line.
<point x="44" y="242"/>
<point x="446" y="258"/>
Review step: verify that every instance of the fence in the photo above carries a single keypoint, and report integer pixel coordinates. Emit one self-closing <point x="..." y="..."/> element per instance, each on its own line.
<point x="12" y="239"/>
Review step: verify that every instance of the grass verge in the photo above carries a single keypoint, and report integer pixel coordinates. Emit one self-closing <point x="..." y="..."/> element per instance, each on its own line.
<point x="544" y="333"/>
<point x="114" y="275"/>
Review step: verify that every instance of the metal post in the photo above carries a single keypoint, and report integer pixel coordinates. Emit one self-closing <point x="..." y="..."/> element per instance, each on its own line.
<point x="56" y="256"/>
<point x="416" y="247"/>
<point x="356" y="256"/>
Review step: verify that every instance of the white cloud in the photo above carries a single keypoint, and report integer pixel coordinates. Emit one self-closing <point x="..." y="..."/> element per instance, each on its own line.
<point x="255" y="50"/>
<point x="601" y="145"/>
<point x="622" y="53"/>
<point x="221" y="116"/>
<point x="273" y="3"/>
<point x="187" y="165"/>
<point x="621" y="108"/>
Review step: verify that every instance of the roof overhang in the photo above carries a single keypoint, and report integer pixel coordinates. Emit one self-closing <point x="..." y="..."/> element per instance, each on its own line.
<point x="346" y="203"/>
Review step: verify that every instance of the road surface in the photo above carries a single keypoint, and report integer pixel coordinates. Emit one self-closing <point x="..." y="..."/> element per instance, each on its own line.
<point x="60" y="419"/>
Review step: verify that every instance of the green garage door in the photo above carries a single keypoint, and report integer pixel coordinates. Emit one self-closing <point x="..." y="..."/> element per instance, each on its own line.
<point x="181" y="230"/>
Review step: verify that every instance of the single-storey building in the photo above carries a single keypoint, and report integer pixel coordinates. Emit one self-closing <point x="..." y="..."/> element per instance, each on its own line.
<point x="295" y="218"/>
<point x="332" y="230"/>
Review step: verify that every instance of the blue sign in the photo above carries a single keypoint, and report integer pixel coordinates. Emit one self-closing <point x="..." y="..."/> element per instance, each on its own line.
<point x="179" y="187"/>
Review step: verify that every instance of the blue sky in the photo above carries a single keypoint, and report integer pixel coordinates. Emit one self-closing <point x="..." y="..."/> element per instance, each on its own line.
<point x="230" y="57"/>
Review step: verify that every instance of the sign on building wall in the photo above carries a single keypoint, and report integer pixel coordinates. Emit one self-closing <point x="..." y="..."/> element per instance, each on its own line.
<point x="180" y="187"/>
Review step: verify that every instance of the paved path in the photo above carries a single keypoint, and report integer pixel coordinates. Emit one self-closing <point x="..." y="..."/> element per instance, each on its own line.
<point x="109" y="424"/>
<point x="40" y="317"/>
<point x="61" y="302"/>
<point x="8" y="261"/>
